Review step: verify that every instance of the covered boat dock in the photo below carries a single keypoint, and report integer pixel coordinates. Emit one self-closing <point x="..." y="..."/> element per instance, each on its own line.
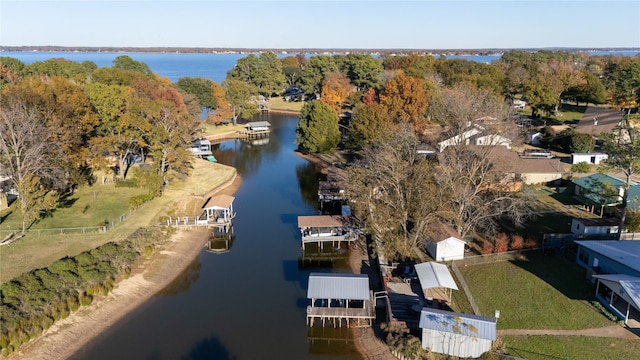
<point x="336" y="297"/>
<point x="321" y="229"/>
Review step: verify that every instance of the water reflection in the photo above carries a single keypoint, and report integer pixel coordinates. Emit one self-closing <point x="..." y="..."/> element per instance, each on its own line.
<point x="209" y="348"/>
<point x="308" y="177"/>
<point x="183" y="282"/>
<point x="222" y="243"/>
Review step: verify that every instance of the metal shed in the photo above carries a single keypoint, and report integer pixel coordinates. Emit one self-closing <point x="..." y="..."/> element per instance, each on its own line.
<point x="456" y="334"/>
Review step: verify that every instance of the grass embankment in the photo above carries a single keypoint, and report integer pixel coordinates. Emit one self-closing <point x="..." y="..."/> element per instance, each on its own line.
<point x="571" y="348"/>
<point x="278" y="104"/>
<point x="33" y="252"/>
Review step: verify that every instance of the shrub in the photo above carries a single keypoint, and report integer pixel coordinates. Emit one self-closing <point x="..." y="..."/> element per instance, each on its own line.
<point x="517" y="242"/>
<point x="581" y="167"/>
<point x="487" y="248"/>
<point x="502" y="243"/>
<point x="136" y="201"/>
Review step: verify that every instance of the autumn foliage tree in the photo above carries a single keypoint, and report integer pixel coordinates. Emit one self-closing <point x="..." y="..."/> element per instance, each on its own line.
<point x="336" y="89"/>
<point x="406" y="99"/>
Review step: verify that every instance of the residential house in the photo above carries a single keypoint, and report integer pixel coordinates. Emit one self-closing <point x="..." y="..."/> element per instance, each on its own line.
<point x="591" y="190"/>
<point x="590" y="158"/>
<point x="476" y="134"/>
<point x="444" y="243"/>
<point x="530" y="167"/>
<point x="597" y="226"/>
<point x="596" y="121"/>
<point x="456" y="334"/>
<point x="615" y="267"/>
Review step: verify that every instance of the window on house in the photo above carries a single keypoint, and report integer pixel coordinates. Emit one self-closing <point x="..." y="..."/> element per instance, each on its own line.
<point x="583" y="257"/>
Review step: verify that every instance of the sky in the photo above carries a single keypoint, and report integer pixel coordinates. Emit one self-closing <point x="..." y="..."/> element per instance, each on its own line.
<point x="328" y="24"/>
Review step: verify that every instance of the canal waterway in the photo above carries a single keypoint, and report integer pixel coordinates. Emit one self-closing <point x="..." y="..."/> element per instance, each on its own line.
<point x="249" y="302"/>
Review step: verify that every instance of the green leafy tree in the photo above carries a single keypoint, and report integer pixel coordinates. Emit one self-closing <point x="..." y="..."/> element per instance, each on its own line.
<point x="370" y="123"/>
<point x="125" y="62"/>
<point x="202" y="89"/>
<point x="623" y="150"/>
<point x="627" y="86"/>
<point x="240" y="96"/>
<point x="364" y="71"/>
<point x="317" y="131"/>
<point x="314" y="72"/>
<point x="632" y="221"/>
<point x="263" y="72"/>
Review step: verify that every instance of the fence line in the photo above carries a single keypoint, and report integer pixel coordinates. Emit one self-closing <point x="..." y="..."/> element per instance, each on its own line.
<point x="502" y="256"/>
<point x="465" y="288"/>
<point x="8" y="233"/>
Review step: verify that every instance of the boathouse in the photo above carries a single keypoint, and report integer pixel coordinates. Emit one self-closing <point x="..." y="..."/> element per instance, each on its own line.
<point x="256" y="129"/>
<point x="336" y="297"/>
<point x="218" y="211"/>
<point x="334" y="229"/>
<point x="201" y="147"/>
<point x="456" y="334"/>
<point x="436" y="280"/>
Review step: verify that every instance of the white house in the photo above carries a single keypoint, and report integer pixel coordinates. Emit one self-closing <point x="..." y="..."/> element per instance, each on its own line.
<point x="589" y="158"/>
<point x="476" y="135"/>
<point x="594" y="226"/>
<point x="456" y="334"/>
<point x="533" y="137"/>
<point x="444" y="243"/>
<point x="519" y="104"/>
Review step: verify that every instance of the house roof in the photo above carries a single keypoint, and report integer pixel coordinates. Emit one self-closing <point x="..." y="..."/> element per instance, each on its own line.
<point x="626" y="252"/>
<point x="593" y="181"/>
<point x="630" y="284"/>
<point x="219" y="202"/>
<point x="323" y="221"/>
<point x="440" y="231"/>
<point x="523" y="165"/>
<point x="431" y="275"/>
<point x="451" y="322"/>
<point x="598" y="221"/>
<point x="338" y="286"/>
<point x="257" y="124"/>
<point x="605" y="121"/>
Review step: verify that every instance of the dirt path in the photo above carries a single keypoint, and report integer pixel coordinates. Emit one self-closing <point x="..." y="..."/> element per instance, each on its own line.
<point x="614" y="331"/>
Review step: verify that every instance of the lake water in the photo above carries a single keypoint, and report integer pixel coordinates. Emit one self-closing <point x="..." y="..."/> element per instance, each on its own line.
<point x="212" y="66"/>
<point x="250" y="302"/>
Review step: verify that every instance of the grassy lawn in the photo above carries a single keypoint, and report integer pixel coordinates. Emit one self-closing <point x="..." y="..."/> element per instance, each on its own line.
<point x="278" y="103"/>
<point x="88" y="206"/>
<point x="32" y="252"/>
<point x="543" y="293"/>
<point x="567" y="114"/>
<point x="571" y="347"/>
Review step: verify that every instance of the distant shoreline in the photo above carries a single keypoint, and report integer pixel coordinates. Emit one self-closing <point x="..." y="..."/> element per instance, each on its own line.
<point x="206" y="50"/>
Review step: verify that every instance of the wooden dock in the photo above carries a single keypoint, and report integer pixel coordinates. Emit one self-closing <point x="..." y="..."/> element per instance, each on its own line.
<point x="337" y="316"/>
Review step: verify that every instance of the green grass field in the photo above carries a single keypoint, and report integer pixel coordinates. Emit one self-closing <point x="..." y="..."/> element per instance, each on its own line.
<point x="32" y="251"/>
<point x="278" y="103"/>
<point x="571" y="348"/>
<point x="543" y="293"/>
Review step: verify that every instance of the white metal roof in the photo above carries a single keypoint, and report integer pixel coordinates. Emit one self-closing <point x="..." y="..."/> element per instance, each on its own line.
<point x="255" y="124"/>
<point x="432" y="274"/>
<point x="338" y="286"/>
<point x="626" y="252"/>
<point x="464" y="324"/>
<point x="630" y="284"/>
